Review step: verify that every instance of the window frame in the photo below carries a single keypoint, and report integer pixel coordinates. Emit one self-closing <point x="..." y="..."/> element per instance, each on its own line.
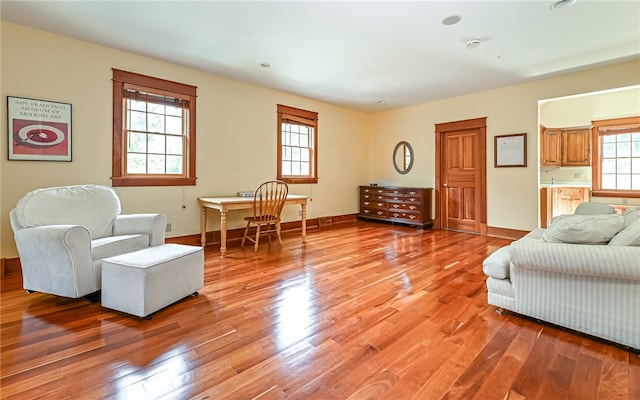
<point x="309" y="118"/>
<point x="119" y="177"/>
<point x="596" y="178"/>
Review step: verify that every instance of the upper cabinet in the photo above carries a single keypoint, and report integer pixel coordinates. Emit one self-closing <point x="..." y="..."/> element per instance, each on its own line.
<point x="565" y="147"/>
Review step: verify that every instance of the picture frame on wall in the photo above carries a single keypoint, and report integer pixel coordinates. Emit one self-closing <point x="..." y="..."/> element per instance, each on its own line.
<point x="38" y="130"/>
<point x="510" y="150"/>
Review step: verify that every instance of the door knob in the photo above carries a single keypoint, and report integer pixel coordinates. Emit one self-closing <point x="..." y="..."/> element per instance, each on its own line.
<point x="445" y="184"/>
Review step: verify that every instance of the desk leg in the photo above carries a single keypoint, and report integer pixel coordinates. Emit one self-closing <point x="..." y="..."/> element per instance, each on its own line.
<point x="223" y="232"/>
<point x="304" y="222"/>
<point x="203" y="226"/>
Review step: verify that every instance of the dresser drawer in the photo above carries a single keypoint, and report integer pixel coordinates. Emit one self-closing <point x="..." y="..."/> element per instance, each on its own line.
<point x="365" y="203"/>
<point x="374" y="212"/>
<point x="413" y="198"/>
<point x="387" y="192"/>
<point x="409" y="216"/>
<point x="404" y="206"/>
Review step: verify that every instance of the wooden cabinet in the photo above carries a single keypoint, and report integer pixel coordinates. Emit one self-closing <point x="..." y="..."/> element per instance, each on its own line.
<point x="556" y="201"/>
<point x="403" y="205"/>
<point x="566" y="147"/>
<point x="566" y="199"/>
<point x="550" y="144"/>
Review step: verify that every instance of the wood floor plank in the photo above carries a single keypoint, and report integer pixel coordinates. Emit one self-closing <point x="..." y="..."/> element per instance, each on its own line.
<point x="360" y="311"/>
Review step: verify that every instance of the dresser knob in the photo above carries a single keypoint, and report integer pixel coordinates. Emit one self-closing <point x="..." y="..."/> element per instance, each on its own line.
<point x="379" y="213"/>
<point x="412" y="207"/>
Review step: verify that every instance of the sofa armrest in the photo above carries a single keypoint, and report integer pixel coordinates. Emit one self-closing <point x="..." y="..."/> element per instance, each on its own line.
<point x="57" y="259"/>
<point x="497" y="264"/>
<point x="152" y="224"/>
<point x="619" y="262"/>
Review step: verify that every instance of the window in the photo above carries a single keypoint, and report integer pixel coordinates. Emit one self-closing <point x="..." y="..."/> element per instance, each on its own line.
<point x="616" y="155"/>
<point x="297" y="145"/>
<point x="154" y="131"/>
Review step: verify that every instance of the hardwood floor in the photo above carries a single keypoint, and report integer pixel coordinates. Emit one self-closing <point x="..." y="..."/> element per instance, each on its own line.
<point x="361" y="311"/>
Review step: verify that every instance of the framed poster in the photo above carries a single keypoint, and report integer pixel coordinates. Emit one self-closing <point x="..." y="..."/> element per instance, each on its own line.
<point x="38" y="129"/>
<point x="510" y="150"/>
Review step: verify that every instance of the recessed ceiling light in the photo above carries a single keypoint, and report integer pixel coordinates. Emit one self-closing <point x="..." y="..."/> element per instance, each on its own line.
<point x="558" y="4"/>
<point x="452" y="20"/>
<point x="265" y="65"/>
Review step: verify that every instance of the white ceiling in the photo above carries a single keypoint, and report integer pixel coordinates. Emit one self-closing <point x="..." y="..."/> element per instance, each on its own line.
<point x="355" y="53"/>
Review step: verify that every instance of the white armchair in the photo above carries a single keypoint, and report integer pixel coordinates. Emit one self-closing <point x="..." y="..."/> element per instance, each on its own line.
<point x="63" y="233"/>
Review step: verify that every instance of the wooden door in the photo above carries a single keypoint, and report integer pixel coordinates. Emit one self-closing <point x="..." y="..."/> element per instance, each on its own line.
<point x="460" y="175"/>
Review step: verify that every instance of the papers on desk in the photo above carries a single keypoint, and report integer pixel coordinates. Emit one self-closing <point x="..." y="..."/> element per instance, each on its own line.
<point x="245" y="194"/>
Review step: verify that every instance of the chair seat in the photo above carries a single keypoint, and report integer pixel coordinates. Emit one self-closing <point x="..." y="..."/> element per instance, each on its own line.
<point x="265" y="219"/>
<point x="115" y="245"/>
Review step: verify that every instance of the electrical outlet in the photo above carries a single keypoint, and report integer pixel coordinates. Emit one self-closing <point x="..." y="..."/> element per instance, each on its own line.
<point x="168" y="228"/>
<point x="299" y="213"/>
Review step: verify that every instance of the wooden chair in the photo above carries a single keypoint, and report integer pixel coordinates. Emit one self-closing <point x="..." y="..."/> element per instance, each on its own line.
<point x="268" y="201"/>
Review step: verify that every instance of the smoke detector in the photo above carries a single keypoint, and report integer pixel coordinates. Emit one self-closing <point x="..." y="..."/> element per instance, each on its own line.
<point x="473" y="44"/>
<point x="558" y="4"/>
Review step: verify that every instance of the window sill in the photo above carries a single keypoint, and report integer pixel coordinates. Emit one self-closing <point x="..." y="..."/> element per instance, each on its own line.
<point x="293" y="181"/>
<point x="152" y="181"/>
<point x="616" y="193"/>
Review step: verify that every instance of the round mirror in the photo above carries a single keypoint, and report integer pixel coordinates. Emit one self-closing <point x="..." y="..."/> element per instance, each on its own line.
<point x="403" y="157"/>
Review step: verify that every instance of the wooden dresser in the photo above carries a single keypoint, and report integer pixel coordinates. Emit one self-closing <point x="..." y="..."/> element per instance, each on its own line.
<point x="402" y="205"/>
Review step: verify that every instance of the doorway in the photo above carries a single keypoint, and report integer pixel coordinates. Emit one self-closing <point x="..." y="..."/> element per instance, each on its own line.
<point x="461" y="198"/>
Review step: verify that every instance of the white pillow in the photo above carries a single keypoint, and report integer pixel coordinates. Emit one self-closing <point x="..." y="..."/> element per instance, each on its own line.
<point x="629" y="236"/>
<point x="584" y="229"/>
<point x="589" y="208"/>
<point x="630" y="216"/>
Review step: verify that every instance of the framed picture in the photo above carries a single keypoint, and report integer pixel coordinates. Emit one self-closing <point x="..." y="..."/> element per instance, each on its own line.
<point x="38" y="129"/>
<point x="511" y="150"/>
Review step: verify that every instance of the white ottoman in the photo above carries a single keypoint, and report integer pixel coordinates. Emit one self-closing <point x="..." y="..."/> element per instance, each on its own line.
<point x="144" y="281"/>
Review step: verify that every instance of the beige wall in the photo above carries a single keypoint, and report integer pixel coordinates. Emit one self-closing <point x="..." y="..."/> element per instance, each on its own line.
<point x="236" y="134"/>
<point x="580" y="110"/>
<point x="512" y="193"/>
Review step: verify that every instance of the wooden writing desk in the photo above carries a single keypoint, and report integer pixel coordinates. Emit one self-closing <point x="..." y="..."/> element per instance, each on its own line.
<point x="225" y="204"/>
